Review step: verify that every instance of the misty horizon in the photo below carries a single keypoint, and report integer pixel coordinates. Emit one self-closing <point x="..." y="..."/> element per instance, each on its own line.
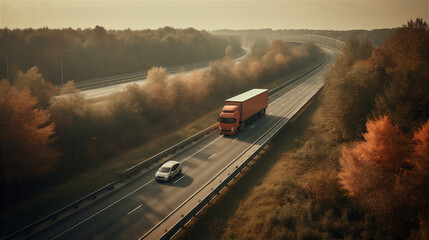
<point x="212" y="15"/>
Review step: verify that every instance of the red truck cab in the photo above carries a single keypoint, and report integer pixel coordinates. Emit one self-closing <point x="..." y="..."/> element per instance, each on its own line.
<point x="229" y="120"/>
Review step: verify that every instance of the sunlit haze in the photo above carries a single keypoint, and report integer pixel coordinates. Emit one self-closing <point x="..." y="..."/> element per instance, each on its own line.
<point x="211" y="15"/>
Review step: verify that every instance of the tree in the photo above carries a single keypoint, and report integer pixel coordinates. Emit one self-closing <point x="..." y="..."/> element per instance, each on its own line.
<point x="384" y="148"/>
<point x="350" y="91"/>
<point x="67" y="111"/>
<point x="421" y="150"/>
<point x="371" y="173"/>
<point x="97" y="52"/>
<point x="418" y="176"/>
<point x="34" y="81"/>
<point x="404" y="59"/>
<point x="26" y="135"/>
<point x="229" y="52"/>
<point x="405" y="100"/>
<point x="355" y="50"/>
<point x="4" y="87"/>
<point x="156" y="87"/>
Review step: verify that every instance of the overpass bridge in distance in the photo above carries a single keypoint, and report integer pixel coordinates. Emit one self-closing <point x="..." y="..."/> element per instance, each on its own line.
<point x="321" y="41"/>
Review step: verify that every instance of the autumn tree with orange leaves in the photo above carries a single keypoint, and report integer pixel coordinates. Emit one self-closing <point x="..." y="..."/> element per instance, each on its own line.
<point x="26" y="135"/>
<point x="418" y="176"/>
<point x="388" y="174"/>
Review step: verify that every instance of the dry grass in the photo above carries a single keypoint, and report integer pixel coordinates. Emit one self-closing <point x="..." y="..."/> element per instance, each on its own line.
<point x="300" y="198"/>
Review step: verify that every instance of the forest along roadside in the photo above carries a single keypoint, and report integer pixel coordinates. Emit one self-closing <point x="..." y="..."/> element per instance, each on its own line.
<point x="70" y="189"/>
<point x="361" y="170"/>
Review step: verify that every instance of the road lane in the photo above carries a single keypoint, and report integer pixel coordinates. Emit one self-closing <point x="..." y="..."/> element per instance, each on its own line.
<point x="108" y="217"/>
<point x="310" y="88"/>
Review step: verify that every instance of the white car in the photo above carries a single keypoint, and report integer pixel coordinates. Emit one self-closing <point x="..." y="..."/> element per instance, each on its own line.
<point x="168" y="171"/>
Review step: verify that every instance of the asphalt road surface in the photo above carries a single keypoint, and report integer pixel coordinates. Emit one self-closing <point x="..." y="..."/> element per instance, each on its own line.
<point x="133" y="209"/>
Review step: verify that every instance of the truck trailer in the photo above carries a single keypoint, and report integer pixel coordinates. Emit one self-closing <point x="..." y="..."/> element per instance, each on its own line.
<point x="241" y="110"/>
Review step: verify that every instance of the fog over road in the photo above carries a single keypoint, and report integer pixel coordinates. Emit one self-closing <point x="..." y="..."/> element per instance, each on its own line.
<point x="107" y="90"/>
<point x="133" y="209"/>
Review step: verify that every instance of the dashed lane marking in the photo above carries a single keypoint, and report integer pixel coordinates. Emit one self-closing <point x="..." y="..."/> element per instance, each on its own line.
<point x="134" y="209"/>
<point x="179" y="179"/>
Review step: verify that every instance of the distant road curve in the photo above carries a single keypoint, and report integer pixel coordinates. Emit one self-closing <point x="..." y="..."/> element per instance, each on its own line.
<point x="101" y="87"/>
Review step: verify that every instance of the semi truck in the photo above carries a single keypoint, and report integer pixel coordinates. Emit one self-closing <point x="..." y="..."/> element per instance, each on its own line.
<point x="241" y="110"/>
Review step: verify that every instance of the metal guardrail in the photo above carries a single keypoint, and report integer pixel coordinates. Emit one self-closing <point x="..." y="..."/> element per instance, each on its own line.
<point x="125" y="78"/>
<point x="171" y="150"/>
<point x="322" y="41"/>
<point x="127" y="173"/>
<point x="135" y="169"/>
<point x="52" y="217"/>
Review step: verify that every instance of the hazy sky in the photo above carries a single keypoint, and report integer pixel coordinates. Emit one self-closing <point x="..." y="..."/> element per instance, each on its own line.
<point x="211" y="15"/>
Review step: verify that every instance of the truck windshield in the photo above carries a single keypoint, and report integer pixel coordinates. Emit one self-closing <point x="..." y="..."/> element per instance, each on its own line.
<point x="227" y="120"/>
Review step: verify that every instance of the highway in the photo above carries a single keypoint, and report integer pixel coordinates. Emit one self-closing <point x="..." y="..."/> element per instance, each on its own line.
<point x="130" y="211"/>
<point x="101" y="90"/>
